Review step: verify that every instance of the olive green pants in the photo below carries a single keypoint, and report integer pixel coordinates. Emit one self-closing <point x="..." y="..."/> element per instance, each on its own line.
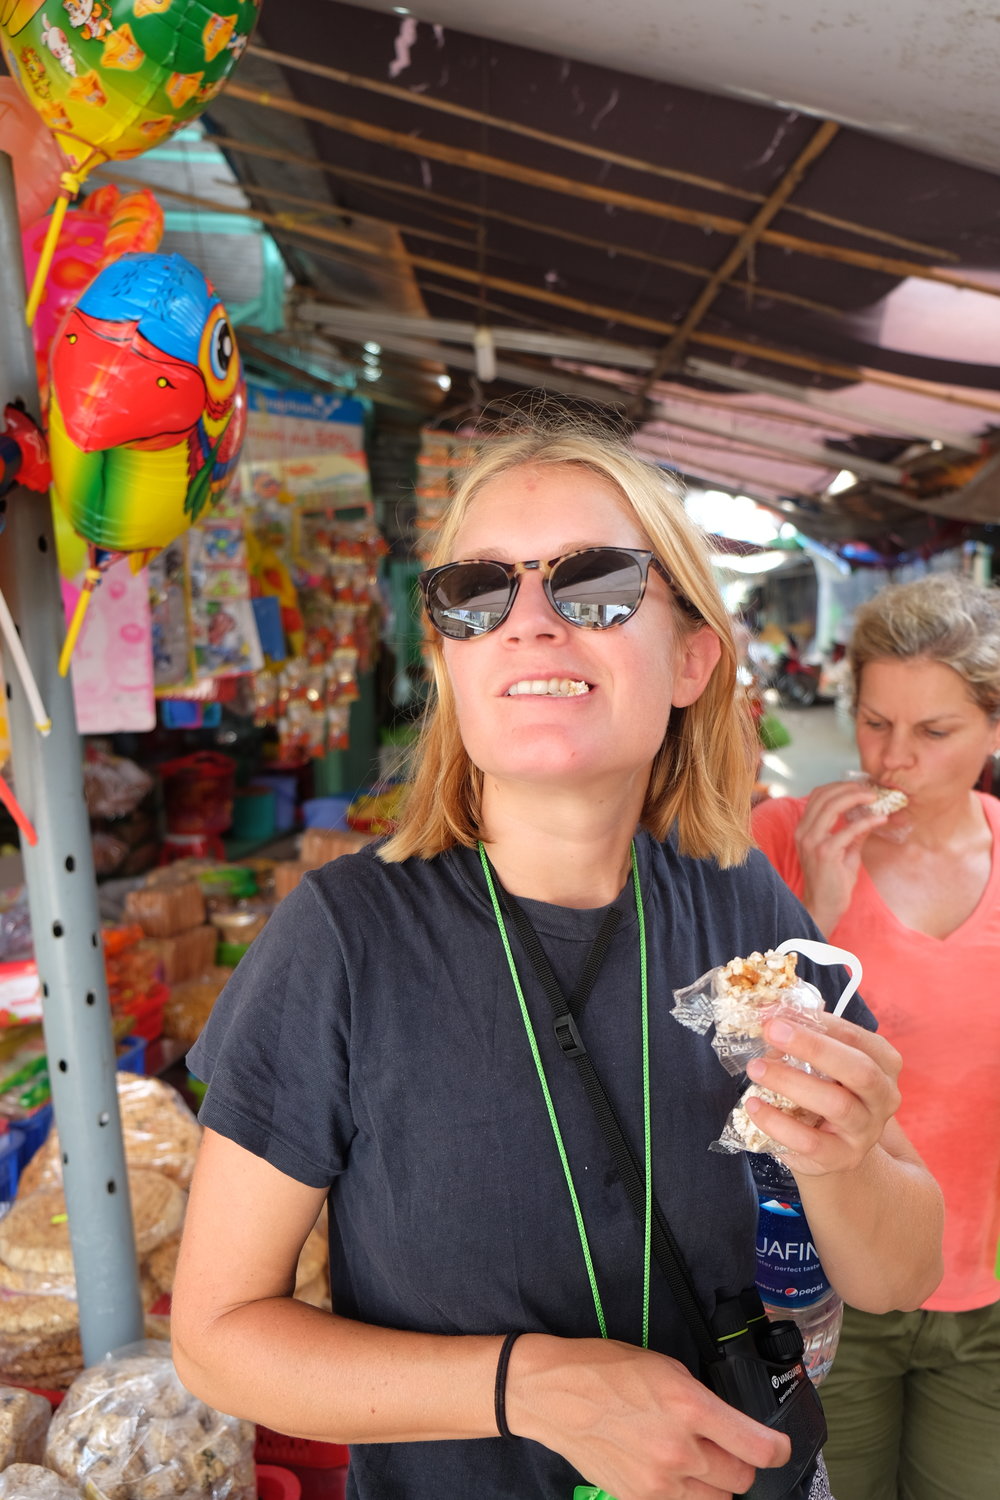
<point x="913" y="1406"/>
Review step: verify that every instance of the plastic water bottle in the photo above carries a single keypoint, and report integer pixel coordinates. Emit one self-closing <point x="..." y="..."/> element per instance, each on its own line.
<point x="790" y="1277"/>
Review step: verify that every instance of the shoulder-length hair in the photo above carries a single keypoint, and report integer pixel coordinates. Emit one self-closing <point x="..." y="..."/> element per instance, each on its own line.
<point x="702" y="775"/>
<point x="941" y="617"/>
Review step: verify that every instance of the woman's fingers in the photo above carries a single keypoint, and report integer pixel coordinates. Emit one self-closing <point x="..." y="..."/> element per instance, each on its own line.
<point x="636" y="1423"/>
<point x="852" y="1089"/>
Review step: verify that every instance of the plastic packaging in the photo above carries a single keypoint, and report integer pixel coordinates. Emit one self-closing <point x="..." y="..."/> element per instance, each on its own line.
<point x="29" y="1481"/>
<point x="24" y="1423"/>
<point x="190" y="1004"/>
<point x="790" y="1275"/>
<point x="129" y="1428"/>
<point x="899" y="827"/>
<point x="164" y="910"/>
<point x="738" y="998"/>
<point x="159" y="1132"/>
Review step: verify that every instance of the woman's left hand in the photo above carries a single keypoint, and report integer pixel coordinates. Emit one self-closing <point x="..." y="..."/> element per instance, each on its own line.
<point x="852" y="1089"/>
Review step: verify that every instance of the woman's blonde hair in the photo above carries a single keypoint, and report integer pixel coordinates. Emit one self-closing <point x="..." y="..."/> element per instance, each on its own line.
<point x="701" y="778"/>
<point x="941" y="617"/>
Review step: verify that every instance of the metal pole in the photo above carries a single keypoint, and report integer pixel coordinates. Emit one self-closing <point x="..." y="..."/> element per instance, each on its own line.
<point x="59" y="870"/>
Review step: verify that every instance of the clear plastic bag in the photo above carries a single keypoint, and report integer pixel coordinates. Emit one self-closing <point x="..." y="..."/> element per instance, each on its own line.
<point x="738" y="999"/>
<point x="159" y="1132"/>
<point x="23" y="1481"/>
<point x="128" y="1430"/>
<point x="887" y="800"/>
<point x="24" y="1423"/>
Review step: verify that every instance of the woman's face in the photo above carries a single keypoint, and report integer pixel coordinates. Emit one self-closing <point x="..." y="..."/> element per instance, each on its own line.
<point x="919" y="729"/>
<point x="633" y="673"/>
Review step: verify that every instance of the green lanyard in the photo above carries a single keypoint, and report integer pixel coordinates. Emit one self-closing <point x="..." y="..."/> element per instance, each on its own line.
<point x="550" y="1107"/>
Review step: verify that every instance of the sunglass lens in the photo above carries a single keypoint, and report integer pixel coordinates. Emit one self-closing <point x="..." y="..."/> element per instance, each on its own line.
<point x="597" y="588"/>
<point x="468" y="599"/>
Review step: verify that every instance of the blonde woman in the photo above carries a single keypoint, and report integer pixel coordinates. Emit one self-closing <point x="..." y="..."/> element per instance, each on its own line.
<point x="498" y="1329"/>
<point x="913" y="1401"/>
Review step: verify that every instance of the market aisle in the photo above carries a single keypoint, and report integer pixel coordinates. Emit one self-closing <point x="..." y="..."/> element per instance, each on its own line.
<point x="822" y="749"/>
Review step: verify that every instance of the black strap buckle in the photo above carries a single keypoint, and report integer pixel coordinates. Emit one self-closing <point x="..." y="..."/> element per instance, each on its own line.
<point x="568" y="1036"/>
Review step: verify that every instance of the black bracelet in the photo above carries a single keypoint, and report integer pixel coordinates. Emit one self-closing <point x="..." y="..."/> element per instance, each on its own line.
<point x="500" y="1389"/>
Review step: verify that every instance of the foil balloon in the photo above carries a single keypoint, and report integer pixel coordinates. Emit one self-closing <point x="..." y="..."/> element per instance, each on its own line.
<point x="147" y="409"/>
<point x="111" y="78"/>
<point x="107" y="224"/>
<point x="38" y="162"/>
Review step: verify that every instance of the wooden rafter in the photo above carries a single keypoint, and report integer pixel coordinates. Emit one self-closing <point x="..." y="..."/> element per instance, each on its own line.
<point x="701" y="273"/>
<point x="832" y="368"/>
<point x="477" y="161"/>
<point x="332" y="237"/>
<point x="672" y="352"/>
<point x="583" y="148"/>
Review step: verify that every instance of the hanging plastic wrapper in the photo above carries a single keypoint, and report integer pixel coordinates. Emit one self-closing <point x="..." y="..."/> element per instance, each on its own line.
<point x="737" y="999"/>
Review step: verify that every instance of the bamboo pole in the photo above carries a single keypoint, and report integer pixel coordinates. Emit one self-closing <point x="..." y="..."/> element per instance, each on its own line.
<point x="813" y="149"/>
<point x="702" y="273"/>
<point x="852" y="374"/>
<point x="832" y="368"/>
<point x="872" y="419"/>
<point x="477" y="161"/>
<point x="817" y="454"/>
<point x="583" y="148"/>
<point x="325" y="208"/>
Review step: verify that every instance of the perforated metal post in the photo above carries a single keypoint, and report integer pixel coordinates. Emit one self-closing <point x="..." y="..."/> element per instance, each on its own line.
<point x="62" y="891"/>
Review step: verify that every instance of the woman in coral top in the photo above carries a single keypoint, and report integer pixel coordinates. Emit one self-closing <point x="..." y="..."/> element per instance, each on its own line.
<point x="913" y="1401"/>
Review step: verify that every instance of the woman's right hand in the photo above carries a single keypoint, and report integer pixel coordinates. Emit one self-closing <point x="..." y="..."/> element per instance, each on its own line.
<point x="829" y="849"/>
<point x="634" y="1422"/>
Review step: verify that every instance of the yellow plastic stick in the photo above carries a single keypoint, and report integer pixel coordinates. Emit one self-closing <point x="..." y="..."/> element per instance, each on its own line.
<point x="45" y="260"/>
<point x="90" y="582"/>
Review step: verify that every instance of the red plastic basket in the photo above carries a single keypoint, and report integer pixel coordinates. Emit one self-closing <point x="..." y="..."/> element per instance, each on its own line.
<point x="301" y="1453"/>
<point x="277" y="1484"/>
<point x="198" y="792"/>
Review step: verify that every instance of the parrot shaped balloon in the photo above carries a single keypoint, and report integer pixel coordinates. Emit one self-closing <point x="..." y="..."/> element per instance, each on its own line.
<point x="112" y="78"/>
<point x="107" y="224"/>
<point x="147" y="410"/>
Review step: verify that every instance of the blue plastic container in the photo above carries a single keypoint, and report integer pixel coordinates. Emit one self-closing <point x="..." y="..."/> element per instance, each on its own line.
<point x="11" y="1147"/>
<point x="326" y="812"/>
<point x="33" y="1129"/>
<point x="286" y="790"/>
<point x="132" y="1055"/>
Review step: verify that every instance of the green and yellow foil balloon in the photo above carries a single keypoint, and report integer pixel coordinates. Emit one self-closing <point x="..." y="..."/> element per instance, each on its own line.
<point x="113" y="78"/>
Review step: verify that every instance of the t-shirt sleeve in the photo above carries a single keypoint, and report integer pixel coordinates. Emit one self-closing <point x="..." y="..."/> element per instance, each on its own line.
<point x="275" y="1051"/>
<point x="774" y="822"/>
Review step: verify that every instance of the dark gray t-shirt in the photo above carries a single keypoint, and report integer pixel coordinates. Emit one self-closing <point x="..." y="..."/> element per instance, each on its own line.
<point x="371" y="1043"/>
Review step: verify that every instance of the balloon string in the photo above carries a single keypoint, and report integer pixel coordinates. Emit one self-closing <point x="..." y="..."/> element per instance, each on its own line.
<point x="69" y="186"/>
<point x="17" y="812"/>
<point x="12" y="643"/>
<point x="90" y="582"/>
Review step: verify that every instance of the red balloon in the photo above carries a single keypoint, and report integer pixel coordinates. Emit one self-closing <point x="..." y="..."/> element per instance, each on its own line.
<point x="38" y="162"/>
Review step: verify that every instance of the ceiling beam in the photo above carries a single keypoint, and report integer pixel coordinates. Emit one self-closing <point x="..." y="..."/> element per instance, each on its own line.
<point x="818" y="454"/>
<point x="813" y="149"/>
<point x="477" y="161"/>
<point x="583" y="148"/>
<point x="832" y="368"/>
<point x="869" y="418"/>
<point x="534" y="226"/>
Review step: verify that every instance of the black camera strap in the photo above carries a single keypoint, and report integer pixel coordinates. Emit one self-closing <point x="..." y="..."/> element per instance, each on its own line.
<point x="664" y="1246"/>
